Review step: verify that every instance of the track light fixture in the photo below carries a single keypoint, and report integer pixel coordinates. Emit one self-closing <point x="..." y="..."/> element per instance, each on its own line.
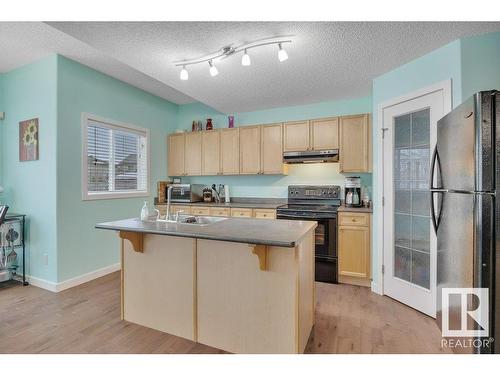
<point x="245" y="59"/>
<point x="184" y="74"/>
<point x="282" y="55"/>
<point x="230" y="51"/>
<point x="213" y="69"/>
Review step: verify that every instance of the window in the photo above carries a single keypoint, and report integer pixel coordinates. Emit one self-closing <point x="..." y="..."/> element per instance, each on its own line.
<point x="115" y="159"/>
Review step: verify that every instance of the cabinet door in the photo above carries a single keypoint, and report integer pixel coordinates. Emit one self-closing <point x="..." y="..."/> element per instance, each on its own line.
<point x="200" y="211"/>
<point x="176" y="155"/>
<point x="325" y="134"/>
<point x="218" y="211"/>
<point x="230" y="151"/>
<point x="263" y="213"/>
<point x="354" y="251"/>
<point x="355" y="144"/>
<point x="241" y="212"/>
<point x="272" y="149"/>
<point x="186" y="210"/>
<point x="250" y="155"/>
<point x="210" y="146"/>
<point x="296" y="136"/>
<point x="192" y="154"/>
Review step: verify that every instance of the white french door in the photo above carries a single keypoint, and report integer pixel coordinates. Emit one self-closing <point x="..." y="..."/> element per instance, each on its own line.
<point x="409" y="260"/>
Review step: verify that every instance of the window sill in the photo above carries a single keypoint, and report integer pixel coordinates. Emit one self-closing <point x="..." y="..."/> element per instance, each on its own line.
<point x="114" y="195"/>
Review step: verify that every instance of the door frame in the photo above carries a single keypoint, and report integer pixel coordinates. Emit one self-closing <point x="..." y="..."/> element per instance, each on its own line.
<point x="446" y="88"/>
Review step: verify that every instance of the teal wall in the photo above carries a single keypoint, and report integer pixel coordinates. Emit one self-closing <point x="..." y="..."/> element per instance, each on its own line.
<point x="2" y="109"/>
<point x="82" y="248"/>
<point x="29" y="92"/>
<point x="276" y="186"/>
<point x="480" y="58"/>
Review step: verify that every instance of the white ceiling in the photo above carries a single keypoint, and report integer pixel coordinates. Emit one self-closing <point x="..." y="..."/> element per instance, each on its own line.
<point x="328" y="60"/>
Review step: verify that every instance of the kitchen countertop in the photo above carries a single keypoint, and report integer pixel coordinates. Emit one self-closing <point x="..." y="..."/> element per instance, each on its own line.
<point x="343" y="208"/>
<point x="282" y="233"/>
<point x="264" y="203"/>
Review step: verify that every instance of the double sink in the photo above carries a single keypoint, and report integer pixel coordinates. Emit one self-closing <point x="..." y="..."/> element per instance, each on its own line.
<point x="191" y="220"/>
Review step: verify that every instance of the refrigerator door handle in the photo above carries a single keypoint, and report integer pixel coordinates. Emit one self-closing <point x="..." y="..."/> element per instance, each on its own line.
<point x="435" y="158"/>
<point x="436" y="219"/>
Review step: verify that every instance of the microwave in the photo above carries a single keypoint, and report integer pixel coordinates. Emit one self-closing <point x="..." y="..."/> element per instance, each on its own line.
<point x="186" y="193"/>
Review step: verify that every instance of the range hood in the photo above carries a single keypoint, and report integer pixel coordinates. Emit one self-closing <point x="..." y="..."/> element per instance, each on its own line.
<point x="325" y="156"/>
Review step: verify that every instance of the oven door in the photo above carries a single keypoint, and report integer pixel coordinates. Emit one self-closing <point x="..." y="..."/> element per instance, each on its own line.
<point x="325" y="237"/>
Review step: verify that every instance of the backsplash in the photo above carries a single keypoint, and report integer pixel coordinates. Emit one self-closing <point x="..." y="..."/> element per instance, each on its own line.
<point x="275" y="186"/>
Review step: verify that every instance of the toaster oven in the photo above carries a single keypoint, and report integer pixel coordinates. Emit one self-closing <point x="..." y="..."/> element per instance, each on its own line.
<point x="186" y="193"/>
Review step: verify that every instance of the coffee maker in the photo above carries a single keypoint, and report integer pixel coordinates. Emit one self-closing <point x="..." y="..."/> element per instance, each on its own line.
<point x="352" y="192"/>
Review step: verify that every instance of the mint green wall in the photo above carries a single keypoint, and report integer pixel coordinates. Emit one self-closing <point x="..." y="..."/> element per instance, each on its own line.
<point x="276" y="186"/>
<point x="29" y="92"/>
<point x="2" y="109"/>
<point x="82" y="248"/>
<point x="439" y="65"/>
<point x="480" y="57"/>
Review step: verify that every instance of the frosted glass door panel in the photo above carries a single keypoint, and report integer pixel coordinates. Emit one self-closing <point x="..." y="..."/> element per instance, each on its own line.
<point x="411" y="198"/>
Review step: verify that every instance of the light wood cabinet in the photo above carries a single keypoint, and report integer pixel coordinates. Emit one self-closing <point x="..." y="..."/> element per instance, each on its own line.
<point x="200" y="211"/>
<point x="250" y="145"/>
<point x="230" y="151"/>
<point x="272" y="149"/>
<point x="186" y="210"/>
<point x="263" y="213"/>
<point x="325" y="134"/>
<point x="296" y="136"/>
<point x="355" y="144"/>
<point x="354" y="248"/>
<point x="176" y="147"/>
<point x="241" y="212"/>
<point x="192" y="154"/>
<point x="210" y="147"/>
<point x="220" y="211"/>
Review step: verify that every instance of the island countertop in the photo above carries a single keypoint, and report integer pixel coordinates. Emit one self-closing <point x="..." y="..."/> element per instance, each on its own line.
<point x="282" y="233"/>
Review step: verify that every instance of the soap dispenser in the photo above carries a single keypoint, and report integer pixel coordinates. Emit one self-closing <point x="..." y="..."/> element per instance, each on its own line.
<point x="145" y="211"/>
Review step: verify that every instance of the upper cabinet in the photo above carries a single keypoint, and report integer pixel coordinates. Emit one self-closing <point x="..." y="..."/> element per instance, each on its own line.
<point x="176" y="147"/>
<point x="192" y="154"/>
<point x="211" y="151"/>
<point x="230" y="151"/>
<point x="296" y="136"/>
<point x="258" y="149"/>
<point x="250" y="154"/>
<point x="319" y="134"/>
<point x="325" y="134"/>
<point x="355" y="144"/>
<point x="272" y="149"/>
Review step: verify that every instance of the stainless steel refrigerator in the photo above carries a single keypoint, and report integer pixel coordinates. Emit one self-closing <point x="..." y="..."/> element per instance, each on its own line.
<point x="465" y="210"/>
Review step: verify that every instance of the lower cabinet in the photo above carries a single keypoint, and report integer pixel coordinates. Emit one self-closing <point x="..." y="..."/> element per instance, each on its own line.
<point x="354" y="248"/>
<point x="243" y="212"/>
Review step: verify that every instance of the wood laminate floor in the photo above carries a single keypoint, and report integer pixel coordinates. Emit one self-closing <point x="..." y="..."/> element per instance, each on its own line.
<point x="86" y="319"/>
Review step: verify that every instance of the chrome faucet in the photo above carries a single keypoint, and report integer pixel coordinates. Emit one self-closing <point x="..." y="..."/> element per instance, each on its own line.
<point x="216" y="194"/>
<point x="169" y="195"/>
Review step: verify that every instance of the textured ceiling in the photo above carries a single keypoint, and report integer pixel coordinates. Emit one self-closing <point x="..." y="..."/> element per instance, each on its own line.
<point x="328" y="60"/>
<point x="24" y="42"/>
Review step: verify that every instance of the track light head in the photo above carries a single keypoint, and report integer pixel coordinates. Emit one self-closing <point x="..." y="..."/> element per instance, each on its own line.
<point x="245" y="59"/>
<point x="213" y="69"/>
<point x="184" y="74"/>
<point x="282" y="55"/>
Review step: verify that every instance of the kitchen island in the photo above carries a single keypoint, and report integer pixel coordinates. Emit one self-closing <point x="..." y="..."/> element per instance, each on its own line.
<point x="240" y="285"/>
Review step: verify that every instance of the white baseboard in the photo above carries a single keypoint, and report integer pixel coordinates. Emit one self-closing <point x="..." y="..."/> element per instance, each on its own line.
<point x="70" y="283"/>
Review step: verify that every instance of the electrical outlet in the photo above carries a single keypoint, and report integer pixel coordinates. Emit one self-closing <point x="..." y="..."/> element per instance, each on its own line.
<point x="45" y="259"/>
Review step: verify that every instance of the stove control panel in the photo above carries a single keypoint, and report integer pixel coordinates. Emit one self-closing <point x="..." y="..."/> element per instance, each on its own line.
<point x="314" y="192"/>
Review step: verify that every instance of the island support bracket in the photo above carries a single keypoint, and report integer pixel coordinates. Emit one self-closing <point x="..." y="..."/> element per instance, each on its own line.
<point x="261" y="252"/>
<point x="135" y="238"/>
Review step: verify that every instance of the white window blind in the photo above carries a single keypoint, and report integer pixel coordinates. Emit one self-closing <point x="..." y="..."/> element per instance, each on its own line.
<point x="116" y="160"/>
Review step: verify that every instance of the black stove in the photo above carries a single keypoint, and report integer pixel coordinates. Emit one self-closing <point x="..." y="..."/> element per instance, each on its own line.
<point x="318" y="203"/>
